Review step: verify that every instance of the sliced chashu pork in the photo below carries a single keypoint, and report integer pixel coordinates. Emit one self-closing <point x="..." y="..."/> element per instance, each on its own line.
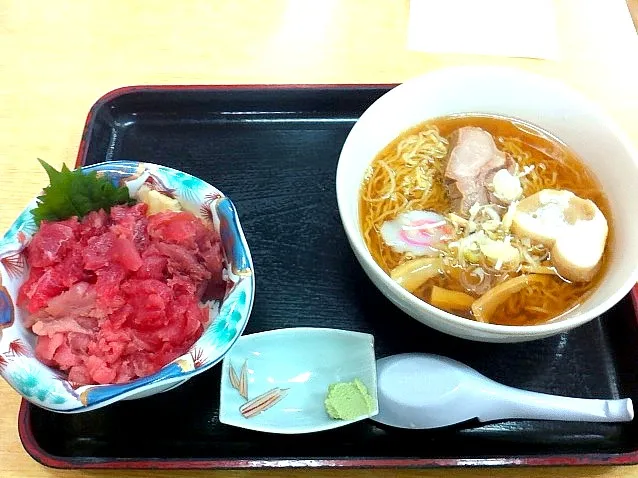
<point x="574" y="230"/>
<point x="472" y="162"/>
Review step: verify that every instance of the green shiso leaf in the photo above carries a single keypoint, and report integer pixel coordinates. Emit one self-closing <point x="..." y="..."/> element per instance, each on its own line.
<point x="73" y="193"/>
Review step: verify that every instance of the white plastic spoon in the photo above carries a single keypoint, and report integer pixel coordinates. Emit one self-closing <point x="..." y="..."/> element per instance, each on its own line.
<point x="430" y="391"/>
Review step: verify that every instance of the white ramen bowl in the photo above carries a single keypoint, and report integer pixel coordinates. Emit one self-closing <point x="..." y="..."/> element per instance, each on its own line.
<point x="541" y="101"/>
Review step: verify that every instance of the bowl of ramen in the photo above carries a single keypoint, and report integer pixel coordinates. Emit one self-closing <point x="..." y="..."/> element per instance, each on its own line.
<point x="491" y="204"/>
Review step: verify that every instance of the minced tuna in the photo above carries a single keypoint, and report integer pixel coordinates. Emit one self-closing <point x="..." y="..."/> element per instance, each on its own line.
<point x="117" y="296"/>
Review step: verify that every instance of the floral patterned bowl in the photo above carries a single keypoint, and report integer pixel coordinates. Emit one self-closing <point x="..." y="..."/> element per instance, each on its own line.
<point x="47" y="387"/>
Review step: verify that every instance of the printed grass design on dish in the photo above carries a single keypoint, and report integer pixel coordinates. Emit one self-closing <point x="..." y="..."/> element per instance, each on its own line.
<point x="258" y="404"/>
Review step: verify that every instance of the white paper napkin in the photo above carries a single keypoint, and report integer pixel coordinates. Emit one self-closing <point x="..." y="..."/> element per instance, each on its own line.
<point x="517" y="28"/>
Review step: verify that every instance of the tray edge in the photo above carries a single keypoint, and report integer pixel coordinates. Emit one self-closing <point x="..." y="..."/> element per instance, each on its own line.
<point x="51" y="461"/>
<point x="124" y="90"/>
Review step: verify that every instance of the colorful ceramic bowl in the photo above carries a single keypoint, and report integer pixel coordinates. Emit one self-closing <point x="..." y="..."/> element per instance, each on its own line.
<point x="287" y="372"/>
<point x="47" y="387"/>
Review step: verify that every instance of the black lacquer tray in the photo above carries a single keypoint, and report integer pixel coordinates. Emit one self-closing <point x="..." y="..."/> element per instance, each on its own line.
<point x="274" y="151"/>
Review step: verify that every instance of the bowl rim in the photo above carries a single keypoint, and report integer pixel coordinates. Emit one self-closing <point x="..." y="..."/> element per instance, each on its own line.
<point x="164" y="377"/>
<point x="373" y="269"/>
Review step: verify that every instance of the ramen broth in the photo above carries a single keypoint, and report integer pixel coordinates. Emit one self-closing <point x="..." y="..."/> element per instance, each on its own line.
<point x="408" y="175"/>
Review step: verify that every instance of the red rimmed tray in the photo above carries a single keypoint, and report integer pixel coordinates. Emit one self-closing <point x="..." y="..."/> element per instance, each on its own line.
<point x="273" y="150"/>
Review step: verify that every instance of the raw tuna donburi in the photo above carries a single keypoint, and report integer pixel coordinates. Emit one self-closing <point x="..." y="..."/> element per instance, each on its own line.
<point x="117" y="295"/>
